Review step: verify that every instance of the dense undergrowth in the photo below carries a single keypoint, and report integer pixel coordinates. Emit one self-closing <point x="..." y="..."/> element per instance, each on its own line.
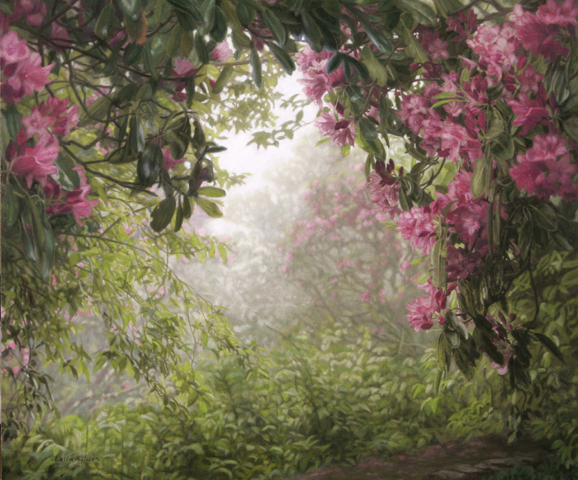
<point x="549" y="470"/>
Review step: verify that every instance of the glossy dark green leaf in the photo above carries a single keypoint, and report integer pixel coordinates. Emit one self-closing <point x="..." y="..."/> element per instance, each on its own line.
<point x="179" y="218"/>
<point x="187" y="10"/>
<point x="334" y="62"/>
<point x="187" y="207"/>
<point x="223" y="79"/>
<point x="275" y="26"/>
<point x="201" y="48"/>
<point x="208" y="7"/>
<point x="104" y="21"/>
<point x="359" y="67"/>
<point x="210" y="208"/>
<point x="332" y="7"/>
<point x="421" y="11"/>
<point x="132" y="54"/>
<point x="163" y="213"/>
<point x="546" y="217"/>
<point x="10" y="206"/>
<point x="12" y="119"/>
<point x="126" y="93"/>
<point x="313" y="32"/>
<point x="550" y="345"/>
<point x="483" y="339"/>
<point x="256" y="67"/>
<point x="149" y="164"/>
<point x="68" y="178"/>
<point x="245" y="13"/>
<point x="375" y="68"/>
<point x="443" y="353"/>
<point x="131" y="8"/>
<point x="367" y="130"/>
<point x="48" y="249"/>
<point x="219" y="30"/>
<point x="282" y="57"/>
<point x="503" y="147"/>
<point x="137" y="135"/>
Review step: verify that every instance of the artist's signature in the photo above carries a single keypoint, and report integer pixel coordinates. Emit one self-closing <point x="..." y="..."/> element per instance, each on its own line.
<point x="77" y="458"/>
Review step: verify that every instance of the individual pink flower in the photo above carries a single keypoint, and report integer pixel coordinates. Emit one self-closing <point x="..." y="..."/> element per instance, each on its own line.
<point x="36" y="123"/>
<point x="529" y="113"/>
<point x="222" y="52"/>
<point x="183" y="68"/>
<point x="344" y="133"/>
<point x="33" y="163"/>
<point x="169" y="162"/>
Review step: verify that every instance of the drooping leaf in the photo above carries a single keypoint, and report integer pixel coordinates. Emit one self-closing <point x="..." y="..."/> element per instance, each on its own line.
<point x="68" y="178"/>
<point x="421" y="11"/>
<point x="550" y="345"/>
<point x="482" y="177"/>
<point x="313" y="32"/>
<point x="163" y="213"/>
<point x="137" y="29"/>
<point x="275" y="26"/>
<point x="149" y="164"/>
<point x="137" y="135"/>
<point x="256" y="67"/>
<point x="219" y="31"/>
<point x="282" y="57"/>
<point x="104" y="21"/>
<point x="223" y="79"/>
<point x="210" y="208"/>
<point x="131" y="8"/>
<point x="213" y="192"/>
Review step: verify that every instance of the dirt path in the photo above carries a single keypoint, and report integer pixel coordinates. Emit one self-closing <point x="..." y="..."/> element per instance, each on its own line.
<point x="466" y="461"/>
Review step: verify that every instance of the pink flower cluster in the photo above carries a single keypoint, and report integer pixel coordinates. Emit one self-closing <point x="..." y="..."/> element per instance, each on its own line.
<point x="33" y="163"/>
<point x="74" y="201"/>
<point x="423" y="309"/>
<point x="52" y="117"/>
<point x="342" y="132"/>
<point x="545" y="169"/>
<point x="316" y="80"/>
<point x="539" y="33"/>
<point x="21" y="69"/>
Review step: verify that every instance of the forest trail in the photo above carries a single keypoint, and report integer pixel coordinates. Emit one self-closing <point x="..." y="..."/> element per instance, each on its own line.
<point x="451" y="461"/>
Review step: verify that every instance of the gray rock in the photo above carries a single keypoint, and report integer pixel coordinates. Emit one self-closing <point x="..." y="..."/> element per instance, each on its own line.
<point x="448" y="475"/>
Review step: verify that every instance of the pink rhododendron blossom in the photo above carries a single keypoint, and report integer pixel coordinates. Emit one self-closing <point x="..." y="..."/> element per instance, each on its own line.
<point x="183" y="68"/>
<point x="538" y="35"/>
<point x="529" y="113"/>
<point x="545" y="169"/>
<point x="222" y="52"/>
<point x="33" y="163"/>
<point x="417" y="227"/>
<point x="315" y="79"/>
<point x="21" y="69"/>
<point x="496" y="48"/>
<point x="365" y="297"/>
<point x="384" y="194"/>
<point x="436" y="48"/>
<point x="52" y="117"/>
<point x="556" y="13"/>
<point x="75" y="201"/>
<point x="169" y="162"/>
<point x="34" y="11"/>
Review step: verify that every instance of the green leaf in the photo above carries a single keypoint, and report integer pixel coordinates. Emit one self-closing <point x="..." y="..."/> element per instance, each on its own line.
<point x="367" y="130"/>
<point x="282" y="57"/>
<point x="163" y="213"/>
<point x="313" y="32"/>
<point x="275" y="26"/>
<point x="503" y="147"/>
<point x="421" y="11"/>
<point x="439" y="265"/>
<point x="223" y="79"/>
<point x="245" y="13"/>
<point x="209" y="7"/>
<point x="132" y="54"/>
<point x="219" y="31"/>
<point x="48" y="250"/>
<point x="482" y="177"/>
<point x="376" y="70"/>
<point x="213" y="192"/>
<point x="10" y="206"/>
<point x="256" y="66"/>
<point x="332" y="7"/>
<point x="210" y="208"/>
<point x="136" y="29"/>
<point x="201" y="48"/>
<point x="68" y="178"/>
<point x="179" y="218"/>
<point x="131" y="8"/>
<point x="104" y="21"/>
<point x="97" y="112"/>
<point x="137" y="135"/>
<point x="187" y="206"/>
<point x="359" y="67"/>
<point x="126" y="93"/>
<point x="546" y="217"/>
<point x="12" y="120"/>
<point x="149" y="164"/>
<point x="334" y="62"/>
<point x="550" y="345"/>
